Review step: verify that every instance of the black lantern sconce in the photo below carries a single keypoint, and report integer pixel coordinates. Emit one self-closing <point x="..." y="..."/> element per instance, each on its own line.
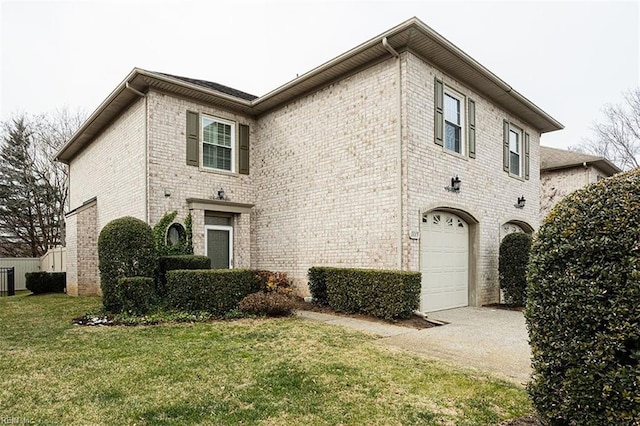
<point x="221" y="194"/>
<point x="521" y="202"/>
<point x="455" y="185"/>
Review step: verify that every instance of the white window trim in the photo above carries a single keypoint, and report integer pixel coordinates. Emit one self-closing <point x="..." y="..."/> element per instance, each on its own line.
<point x="463" y="124"/>
<point x="520" y="132"/>
<point x="233" y="142"/>
<point x="219" y="228"/>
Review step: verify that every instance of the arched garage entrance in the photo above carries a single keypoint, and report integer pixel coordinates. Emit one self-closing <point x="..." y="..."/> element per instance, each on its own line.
<point x="444" y="261"/>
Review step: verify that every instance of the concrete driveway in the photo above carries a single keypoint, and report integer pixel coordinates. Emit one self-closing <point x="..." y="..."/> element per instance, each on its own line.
<point x="493" y="340"/>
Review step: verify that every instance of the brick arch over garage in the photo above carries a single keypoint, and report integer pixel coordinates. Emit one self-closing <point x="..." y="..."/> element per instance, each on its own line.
<point x="470" y="218"/>
<point x="507" y="225"/>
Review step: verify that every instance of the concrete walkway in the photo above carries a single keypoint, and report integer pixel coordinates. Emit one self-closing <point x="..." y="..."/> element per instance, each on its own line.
<point x="492" y="340"/>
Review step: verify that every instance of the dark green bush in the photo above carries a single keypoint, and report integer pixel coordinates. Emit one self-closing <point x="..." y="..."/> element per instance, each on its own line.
<point x="125" y="249"/>
<point x="318" y="284"/>
<point x="46" y="282"/>
<point x="512" y="266"/>
<point x="135" y="294"/>
<point x="217" y="291"/>
<point x="272" y="304"/>
<point x="172" y="263"/>
<point x="583" y="307"/>
<point x="384" y="294"/>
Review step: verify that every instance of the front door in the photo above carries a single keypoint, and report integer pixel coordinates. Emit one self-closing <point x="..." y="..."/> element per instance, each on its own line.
<point x="218" y="245"/>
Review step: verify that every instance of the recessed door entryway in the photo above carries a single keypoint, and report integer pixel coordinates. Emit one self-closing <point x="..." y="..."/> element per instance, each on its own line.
<point x="444" y="261"/>
<point x="218" y="246"/>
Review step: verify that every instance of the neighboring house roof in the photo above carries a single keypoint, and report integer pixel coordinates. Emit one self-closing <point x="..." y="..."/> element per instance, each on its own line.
<point x="413" y="35"/>
<point x="555" y="159"/>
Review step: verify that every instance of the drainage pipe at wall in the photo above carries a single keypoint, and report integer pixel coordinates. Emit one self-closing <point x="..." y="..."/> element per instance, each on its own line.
<point x="395" y="54"/>
<point x="146" y="149"/>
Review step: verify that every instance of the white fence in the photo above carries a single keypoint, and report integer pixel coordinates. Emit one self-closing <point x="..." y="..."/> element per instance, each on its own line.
<point x="54" y="260"/>
<point x="22" y="265"/>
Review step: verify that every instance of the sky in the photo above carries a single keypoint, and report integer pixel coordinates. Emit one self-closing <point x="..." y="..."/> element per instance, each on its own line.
<point x="569" y="58"/>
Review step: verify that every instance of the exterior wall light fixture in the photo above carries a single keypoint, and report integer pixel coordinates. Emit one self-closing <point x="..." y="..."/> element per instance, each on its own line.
<point x="521" y="202"/>
<point x="455" y="185"/>
<point x="220" y="194"/>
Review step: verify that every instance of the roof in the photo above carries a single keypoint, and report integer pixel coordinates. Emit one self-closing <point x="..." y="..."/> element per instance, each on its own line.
<point x="214" y="86"/>
<point x="412" y="35"/>
<point x="556" y="159"/>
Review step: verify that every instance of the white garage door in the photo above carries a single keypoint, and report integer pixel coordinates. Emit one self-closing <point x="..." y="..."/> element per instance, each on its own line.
<point x="444" y="261"/>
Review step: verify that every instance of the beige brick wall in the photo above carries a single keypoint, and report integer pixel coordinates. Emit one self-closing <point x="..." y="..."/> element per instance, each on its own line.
<point x="327" y="185"/>
<point x="557" y="184"/>
<point x="113" y="169"/>
<point x="169" y="173"/>
<point x="488" y="193"/>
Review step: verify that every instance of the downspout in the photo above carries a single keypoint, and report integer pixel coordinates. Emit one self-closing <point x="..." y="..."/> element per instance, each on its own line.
<point x="146" y="149"/>
<point x="395" y="54"/>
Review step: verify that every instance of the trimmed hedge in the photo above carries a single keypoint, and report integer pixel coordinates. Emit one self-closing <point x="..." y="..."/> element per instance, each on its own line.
<point x="125" y="249"/>
<point x="583" y="307"/>
<point x="383" y="294"/>
<point x="46" y="282"/>
<point x="512" y="267"/>
<point x="135" y="294"/>
<point x="318" y="284"/>
<point x="216" y="291"/>
<point x="172" y="263"/>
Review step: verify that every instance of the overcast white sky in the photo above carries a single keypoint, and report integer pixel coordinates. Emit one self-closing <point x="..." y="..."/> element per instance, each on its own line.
<point x="569" y="58"/>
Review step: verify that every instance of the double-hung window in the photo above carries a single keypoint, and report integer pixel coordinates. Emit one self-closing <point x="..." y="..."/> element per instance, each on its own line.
<point x="453" y="121"/>
<point x="515" y="150"/>
<point x="218" y="143"/>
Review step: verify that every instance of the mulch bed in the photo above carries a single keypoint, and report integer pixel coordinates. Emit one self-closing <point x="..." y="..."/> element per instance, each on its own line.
<point x="415" y="321"/>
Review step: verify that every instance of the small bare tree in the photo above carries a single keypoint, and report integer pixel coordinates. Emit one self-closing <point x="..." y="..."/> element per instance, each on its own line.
<point x="617" y="136"/>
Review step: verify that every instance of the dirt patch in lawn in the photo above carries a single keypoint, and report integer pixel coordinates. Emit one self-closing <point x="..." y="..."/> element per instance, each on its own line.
<point x="522" y="421"/>
<point x="415" y="321"/>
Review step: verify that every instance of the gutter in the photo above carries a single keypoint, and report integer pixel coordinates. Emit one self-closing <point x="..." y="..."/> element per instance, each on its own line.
<point x="396" y="55"/>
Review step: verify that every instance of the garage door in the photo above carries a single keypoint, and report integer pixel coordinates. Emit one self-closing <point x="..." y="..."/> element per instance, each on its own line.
<point x="444" y="261"/>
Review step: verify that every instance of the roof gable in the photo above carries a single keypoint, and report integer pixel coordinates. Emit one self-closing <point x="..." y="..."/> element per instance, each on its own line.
<point x="412" y="35"/>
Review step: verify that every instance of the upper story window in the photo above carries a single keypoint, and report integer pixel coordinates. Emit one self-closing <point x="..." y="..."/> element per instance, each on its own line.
<point x="515" y="150"/>
<point x="218" y="143"/>
<point x="211" y="143"/>
<point x="453" y="121"/>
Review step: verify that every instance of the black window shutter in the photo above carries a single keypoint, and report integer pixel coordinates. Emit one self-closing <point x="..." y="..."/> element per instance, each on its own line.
<point x="505" y="146"/>
<point x="193" y="138"/>
<point x="527" y="148"/>
<point x="472" y="129"/>
<point x="439" y="114"/>
<point x="243" y="157"/>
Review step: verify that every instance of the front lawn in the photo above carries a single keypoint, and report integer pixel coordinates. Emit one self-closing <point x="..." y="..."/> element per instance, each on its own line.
<point x="271" y="371"/>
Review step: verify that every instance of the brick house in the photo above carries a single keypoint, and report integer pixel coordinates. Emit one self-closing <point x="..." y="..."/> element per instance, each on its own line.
<point x="562" y="172"/>
<point x="402" y="153"/>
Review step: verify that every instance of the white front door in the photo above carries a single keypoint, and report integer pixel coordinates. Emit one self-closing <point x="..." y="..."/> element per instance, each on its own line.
<point x="444" y="261"/>
<point x="218" y="246"/>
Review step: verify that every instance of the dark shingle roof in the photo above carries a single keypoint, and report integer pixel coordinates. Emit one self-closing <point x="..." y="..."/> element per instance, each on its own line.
<point x="214" y="86"/>
<point x="554" y="158"/>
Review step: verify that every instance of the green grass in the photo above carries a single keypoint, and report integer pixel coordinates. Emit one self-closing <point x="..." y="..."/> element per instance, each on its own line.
<point x="256" y="371"/>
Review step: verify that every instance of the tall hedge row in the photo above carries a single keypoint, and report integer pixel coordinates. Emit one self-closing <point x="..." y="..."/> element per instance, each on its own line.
<point x="216" y="291"/>
<point x="384" y="294"/>
<point x="583" y="308"/>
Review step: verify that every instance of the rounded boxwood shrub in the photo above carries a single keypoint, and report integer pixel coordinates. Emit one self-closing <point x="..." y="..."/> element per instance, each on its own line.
<point x="125" y="249"/>
<point x="512" y="266"/>
<point x="583" y="307"/>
